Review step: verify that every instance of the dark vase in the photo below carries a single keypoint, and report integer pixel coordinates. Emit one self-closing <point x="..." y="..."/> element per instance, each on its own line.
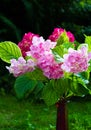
<point x="62" y="117"/>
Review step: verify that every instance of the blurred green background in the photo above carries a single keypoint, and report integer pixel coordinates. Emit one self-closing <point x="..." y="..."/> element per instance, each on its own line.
<point x="40" y="16"/>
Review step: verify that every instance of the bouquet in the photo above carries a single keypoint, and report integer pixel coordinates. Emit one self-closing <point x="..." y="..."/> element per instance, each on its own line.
<point x="59" y="66"/>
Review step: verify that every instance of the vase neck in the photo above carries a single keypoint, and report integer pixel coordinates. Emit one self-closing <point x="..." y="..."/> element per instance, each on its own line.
<point x="62" y="119"/>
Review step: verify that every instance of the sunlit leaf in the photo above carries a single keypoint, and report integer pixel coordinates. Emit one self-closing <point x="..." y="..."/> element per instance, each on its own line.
<point x="9" y="50"/>
<point x="62" y="39"/>
<point x="88" y="41"/>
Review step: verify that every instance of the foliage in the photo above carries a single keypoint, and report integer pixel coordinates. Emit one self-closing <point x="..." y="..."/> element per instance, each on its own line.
<point x="8" y="55"/>
<point x="24" y="86"/>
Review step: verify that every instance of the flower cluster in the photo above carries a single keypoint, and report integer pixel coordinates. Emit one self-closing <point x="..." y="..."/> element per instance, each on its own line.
<point x="58" y="31"/>
<point x="26" y="42"/>
<point x="40" y="53"/>
<point x="76" y="60"/>
<point x="21" y="66"/>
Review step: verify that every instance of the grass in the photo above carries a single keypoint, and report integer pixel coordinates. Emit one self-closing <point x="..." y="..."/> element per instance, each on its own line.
<point x="80" y="115"/>
<point x="23" y="115"/>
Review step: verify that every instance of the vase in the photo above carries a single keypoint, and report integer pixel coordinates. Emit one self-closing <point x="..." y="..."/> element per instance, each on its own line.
<point x="62" y="116"/>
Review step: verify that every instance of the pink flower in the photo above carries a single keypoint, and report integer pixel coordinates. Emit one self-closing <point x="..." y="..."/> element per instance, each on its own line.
<point x="58" y="31"/>
<point x="20" y="66"/>
<point x="51" y="69"/>
<point x="40" y="46"/>
<point x="70" y="36"/>
<point x="76" y="60"/>
<point x="41" y="51"/>
<point x="26" y="42"/>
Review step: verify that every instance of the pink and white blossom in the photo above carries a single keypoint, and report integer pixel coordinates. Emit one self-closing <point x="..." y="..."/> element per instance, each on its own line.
<point x="41" y="51"/>
<point x="21" y="66"/>
<point x="51" y="69"/>
<point x="40" y="47"/>
<point x="76" y="60"/>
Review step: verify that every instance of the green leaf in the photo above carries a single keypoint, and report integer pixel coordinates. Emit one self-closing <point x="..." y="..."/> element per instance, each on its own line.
<point x="68" y="45"/>
<point x="88" y="41"/>
<point x="63" y="38"/>
<point x="89" y="67"/>
<point x="82" y="91"/>
<point x="37" y="74"/>
<point x="9" y="50"/>
<point x="61" y="86"/>
<point x="55" y="90"/>
<point x="49" y="95"/>
<point x="78" y="86"/>
<point x="83" y="82"/>
<point x="78" y="90"/>
<point x="37" y="92"/>
<point x="23" y="84"/>
<point x="84" y="76"/>
<point x="58" y="52"/>
<point x="81" y="45"/>
<point x="39" y="87"/>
